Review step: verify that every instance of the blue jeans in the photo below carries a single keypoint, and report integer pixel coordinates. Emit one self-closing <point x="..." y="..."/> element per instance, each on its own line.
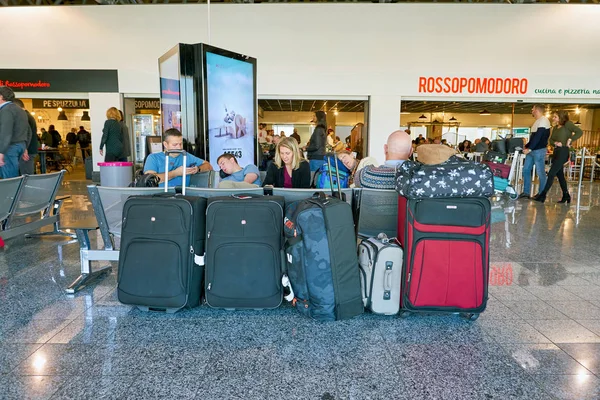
<point x="537" y="157"/>
<point x="315" y="164"/>
<point x="11" y="161"/>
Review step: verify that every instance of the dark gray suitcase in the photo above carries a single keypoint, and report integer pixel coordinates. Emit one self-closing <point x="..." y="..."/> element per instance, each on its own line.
<point x="321" y="259"/>
<point x="244" y="243"/>
<point x="162" y="246"/>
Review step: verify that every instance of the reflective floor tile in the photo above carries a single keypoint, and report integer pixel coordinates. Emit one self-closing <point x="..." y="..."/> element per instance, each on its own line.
<point x="593" y="325"/>
<point x="29" y="387"/>
<point x="552" y="293"/>
<point x="591" y="293"/>
<point x="567" y="331"/>
<point x="577" y="309"/>
<point x="94" y="387"/>
<point x="60" y="359"/>
<point x="535" y="309"/>
<point x="544" y="359"/>
<point x="571" y="387"/>
<point x="32" y="330"/>
<point x="12" y="354"/>
<point x="512" y="293"/>
<point x="513" y="331"/>
<point x="587" y="354"/>
<point x="87" y="330"/>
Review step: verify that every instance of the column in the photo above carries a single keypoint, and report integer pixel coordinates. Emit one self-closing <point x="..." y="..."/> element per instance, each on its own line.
<point x="384" y="118"/>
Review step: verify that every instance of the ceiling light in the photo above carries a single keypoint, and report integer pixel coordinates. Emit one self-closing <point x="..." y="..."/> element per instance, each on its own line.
<point x="59" y="109"/>
<point x="485" y="112"/>
<point x="577" y="111"/>
<point x="85" y="116"/>
<point x="453" y="119"/>
<point x="404" y="112"/>
<point x="422" y="116"/>
<point x="508" y="125"/>
<point x="32" y="113"/>
<point x="435" y="121"/>
<point x="547" y="114"/>
<point x="577" y="123"/>
<point x="335" y="112"/>
<point x="62" y="116"/>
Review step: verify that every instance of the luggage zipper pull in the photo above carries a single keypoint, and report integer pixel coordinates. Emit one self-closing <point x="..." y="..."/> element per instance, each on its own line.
<point x="191" y="250"/>
<point x="409" y="275"/>
<point x="209" y="286"/>
<point x="208" y="235"/>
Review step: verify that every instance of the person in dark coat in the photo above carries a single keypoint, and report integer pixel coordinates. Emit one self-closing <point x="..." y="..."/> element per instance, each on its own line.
<point x="15" y="134"/>
<point x="296" y="136"/>
<point x="27" y="161"/>
<point x="288" y="169"/>
<point x="126" y="138"/>
<point x="112" y="136"/>
<point x="84" y="138"/>
<point x="55" y="135"/>
<point x="315" y="150"/>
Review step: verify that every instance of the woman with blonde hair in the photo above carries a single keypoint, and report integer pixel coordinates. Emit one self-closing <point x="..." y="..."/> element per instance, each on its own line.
<point x="288" y="169"/>
<point x="112" y="136"/>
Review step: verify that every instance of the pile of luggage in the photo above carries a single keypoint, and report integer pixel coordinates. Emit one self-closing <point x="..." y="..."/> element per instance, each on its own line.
<point x="251" y="251"/>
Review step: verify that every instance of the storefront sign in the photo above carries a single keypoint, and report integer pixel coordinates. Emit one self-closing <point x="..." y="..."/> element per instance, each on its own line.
<point x="568" y="91"/>
<point x="471" y="85"/>
<point x="147" y="104"/>
<point x="60" y="80"/>
<point x="62" y="103"/>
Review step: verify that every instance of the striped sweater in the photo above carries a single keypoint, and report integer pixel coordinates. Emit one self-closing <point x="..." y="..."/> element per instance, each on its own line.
<point x="374" y="177"/>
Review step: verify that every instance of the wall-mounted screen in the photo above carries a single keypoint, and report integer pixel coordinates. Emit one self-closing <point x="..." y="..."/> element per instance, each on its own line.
<point x="230" y="106"/>
<point x="170" y="101"/>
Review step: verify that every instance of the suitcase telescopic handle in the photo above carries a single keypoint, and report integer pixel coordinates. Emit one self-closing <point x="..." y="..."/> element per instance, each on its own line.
<point x="184" y="155"/>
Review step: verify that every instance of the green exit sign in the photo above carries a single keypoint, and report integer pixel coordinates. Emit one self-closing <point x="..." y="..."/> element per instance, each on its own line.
<point x="521" y="131"/>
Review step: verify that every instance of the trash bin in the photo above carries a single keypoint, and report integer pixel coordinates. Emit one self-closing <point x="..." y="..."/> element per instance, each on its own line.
<point x="89" y="168"/>
<point x="116" y="174"/>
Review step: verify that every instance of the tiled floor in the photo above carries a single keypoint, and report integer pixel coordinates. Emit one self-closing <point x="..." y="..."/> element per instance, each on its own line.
<point x="538" y="339"/>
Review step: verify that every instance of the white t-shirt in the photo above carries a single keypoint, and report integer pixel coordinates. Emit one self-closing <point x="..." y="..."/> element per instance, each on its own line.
<point x="262" y="136"/>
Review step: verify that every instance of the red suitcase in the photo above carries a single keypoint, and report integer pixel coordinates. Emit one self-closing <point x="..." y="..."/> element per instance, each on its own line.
<point x="446" y="254"/>
<point x="499" y="170"/>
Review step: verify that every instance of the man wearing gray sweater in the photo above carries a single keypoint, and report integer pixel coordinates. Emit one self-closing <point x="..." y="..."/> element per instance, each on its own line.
<point x="15" y="134"/>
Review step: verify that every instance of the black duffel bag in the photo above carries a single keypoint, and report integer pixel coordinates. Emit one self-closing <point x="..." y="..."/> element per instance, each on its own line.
<point x="455" y="177"/>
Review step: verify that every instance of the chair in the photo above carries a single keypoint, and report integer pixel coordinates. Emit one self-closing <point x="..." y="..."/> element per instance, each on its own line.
<point x="36" y="196"/>
<point x="107" y="203"/>
<point x="204" y="179"/>
<point x="377" y="212"/>
<point x="10" y="189"/>
<point x="292" y="195"/>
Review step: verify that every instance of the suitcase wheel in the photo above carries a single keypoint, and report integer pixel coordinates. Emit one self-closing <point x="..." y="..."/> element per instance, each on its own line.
<point x="469" y="316"/>
<point x="404" y="314"/>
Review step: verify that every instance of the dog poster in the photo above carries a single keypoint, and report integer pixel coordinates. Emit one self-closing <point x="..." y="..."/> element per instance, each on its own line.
<point x="230" y="108"/>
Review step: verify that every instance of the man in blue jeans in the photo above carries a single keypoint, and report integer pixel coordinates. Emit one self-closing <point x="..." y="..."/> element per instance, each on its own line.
<point x="535" y="151"/>
<point x="15" y="134"/>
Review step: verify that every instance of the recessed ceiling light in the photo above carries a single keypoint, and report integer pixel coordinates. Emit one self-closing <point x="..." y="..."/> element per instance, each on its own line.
<point x="485" y="112"/>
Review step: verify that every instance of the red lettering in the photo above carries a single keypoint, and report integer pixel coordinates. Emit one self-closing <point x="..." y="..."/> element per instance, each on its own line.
<point x="491" y="86"/>
<point x="438" y="85"/>
<point x="455" y="85"/>
<point x="481" y="86"/>
<point x="523" y="85"/>
<point x="471" y="85"/>
<point x="447" y="85"/>
<point x="515" y="86"/>
<point x="422" y="82"/>
<point x="430" y="84"/>
<point x="463" y="84"/>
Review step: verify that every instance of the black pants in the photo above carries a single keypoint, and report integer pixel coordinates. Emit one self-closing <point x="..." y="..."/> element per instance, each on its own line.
<point x="559" y="158"/>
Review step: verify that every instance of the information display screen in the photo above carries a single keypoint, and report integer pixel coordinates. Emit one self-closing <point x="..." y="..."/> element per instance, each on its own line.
<point x="230" y="108"/>
<point x="170" y="102"/>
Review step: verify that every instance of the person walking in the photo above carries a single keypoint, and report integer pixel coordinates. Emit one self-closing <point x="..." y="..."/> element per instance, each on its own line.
<point x="27" y="161"/>
<point x="563" y="135"/>
<point x="15" y="134"/>
<point x="112" y="136"/>
<point x="84" y="139"/>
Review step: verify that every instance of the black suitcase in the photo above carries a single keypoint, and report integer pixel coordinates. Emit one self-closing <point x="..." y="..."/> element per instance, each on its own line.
<point x="515" y="143"/>
<point x="244" y="252"/>
<point x="162" y="246"/>
<point x="499" y="146"/>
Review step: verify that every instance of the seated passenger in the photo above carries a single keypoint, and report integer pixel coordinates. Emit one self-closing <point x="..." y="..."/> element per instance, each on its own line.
<point x="155" y="163"/>
<point x="288" y="169"/>
<point x="483" y="145"/>
<point x="397" y="150"/>
<point x="237" y="177"/>
<point x="353" y="164"/>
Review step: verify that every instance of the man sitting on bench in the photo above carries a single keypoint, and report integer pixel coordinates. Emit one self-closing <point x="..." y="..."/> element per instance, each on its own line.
<point x="233" y="176"/>
<point x="155" y="163"/>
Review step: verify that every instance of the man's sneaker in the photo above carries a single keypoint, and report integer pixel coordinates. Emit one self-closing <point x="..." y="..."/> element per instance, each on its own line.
<point x="524" y="196"/>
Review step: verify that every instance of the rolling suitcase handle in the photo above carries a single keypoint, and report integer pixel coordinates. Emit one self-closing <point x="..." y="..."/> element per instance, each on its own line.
<point x="184" y="155"/>
<point x="337" y="173"/>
